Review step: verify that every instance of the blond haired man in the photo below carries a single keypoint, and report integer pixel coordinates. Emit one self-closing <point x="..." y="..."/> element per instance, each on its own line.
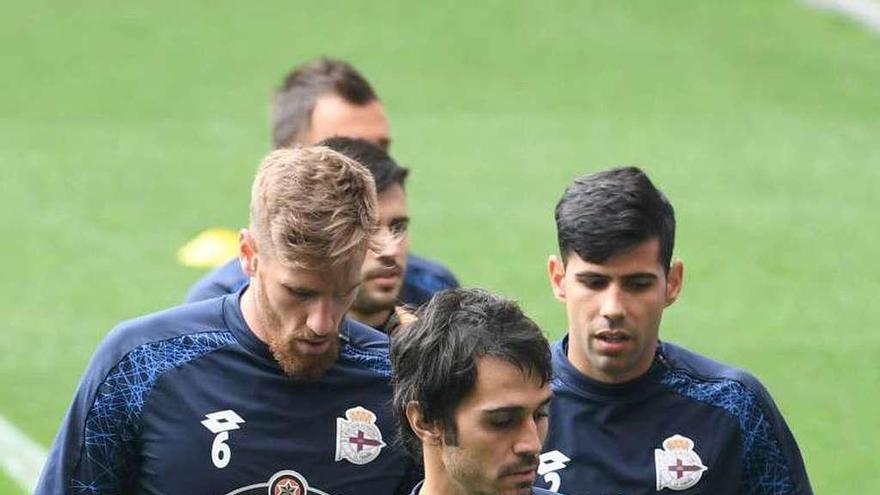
<point x="269" y="389"/>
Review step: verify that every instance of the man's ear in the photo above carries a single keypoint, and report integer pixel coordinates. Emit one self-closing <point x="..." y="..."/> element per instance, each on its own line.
<point x="556" y="273"/>
<point x="674" y="279"/>
<point x="247" y="252"/>
<point x="428" y="433"/>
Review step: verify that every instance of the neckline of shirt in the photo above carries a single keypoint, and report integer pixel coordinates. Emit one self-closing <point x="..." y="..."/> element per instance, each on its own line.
<point x="236" y="323"/>
<point x="586" y="386"/>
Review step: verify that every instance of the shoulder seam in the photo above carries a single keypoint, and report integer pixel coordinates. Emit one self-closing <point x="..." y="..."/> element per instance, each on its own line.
<point x="708" y="379"/>
<point x="113" y="420"/>
<point x="748" y="437"/>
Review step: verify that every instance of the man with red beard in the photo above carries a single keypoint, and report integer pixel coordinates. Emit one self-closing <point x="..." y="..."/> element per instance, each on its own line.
<point x="269" y="389"/>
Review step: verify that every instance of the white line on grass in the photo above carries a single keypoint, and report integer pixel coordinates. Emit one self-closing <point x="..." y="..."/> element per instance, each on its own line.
<point x="865" y="11"/>
<point x="20" y="456"/>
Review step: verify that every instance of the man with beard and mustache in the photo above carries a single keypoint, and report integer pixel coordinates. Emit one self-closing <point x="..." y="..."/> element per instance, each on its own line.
<point x="382" y="274"/>
<point x="472" y="391"/>
<point x="317" y="100"/>
<point x="633" y="414"/>
<point x="271" y="388"/>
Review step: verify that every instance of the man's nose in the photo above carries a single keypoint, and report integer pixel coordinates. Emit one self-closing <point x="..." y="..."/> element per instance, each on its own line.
<point x="529" y="441"/>
<point x="613" y="308"/>
<point x="390" y="245"/>
<point x="321" y="319"/>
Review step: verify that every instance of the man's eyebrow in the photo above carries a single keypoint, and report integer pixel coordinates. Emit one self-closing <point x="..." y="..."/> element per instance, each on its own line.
<point x="298" y="288"/>
<point x="503" y="409"/>
<point x="591" y="274"/>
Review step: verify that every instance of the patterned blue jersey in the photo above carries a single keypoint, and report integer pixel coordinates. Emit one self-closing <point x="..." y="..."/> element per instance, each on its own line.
<point x="422" y="278"/>
<point x="690" y="425"/>
<point x="188" y="400"/>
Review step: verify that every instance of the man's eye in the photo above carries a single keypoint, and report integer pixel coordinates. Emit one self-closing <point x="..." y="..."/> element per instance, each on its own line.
<point x="399" y="229"/>
<point x="639" y="284"/>
<point x="596" y="283"/>
<point x="300" y="294"/>
<point x="501" y="424"/>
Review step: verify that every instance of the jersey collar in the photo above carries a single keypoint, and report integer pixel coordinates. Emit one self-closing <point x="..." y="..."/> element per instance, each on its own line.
<point x="572" y="379"/>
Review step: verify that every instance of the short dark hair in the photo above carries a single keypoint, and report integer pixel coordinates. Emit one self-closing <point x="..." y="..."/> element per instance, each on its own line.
<point x="608" y="212"/>
<point x="294" y="101"/>
<point x="386" y="172"/>
<point x="435" y="358"/>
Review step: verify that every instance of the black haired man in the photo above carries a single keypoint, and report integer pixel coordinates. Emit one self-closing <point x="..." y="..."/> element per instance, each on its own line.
<point x="471" y="392"/>
<point x="633" y="414"/>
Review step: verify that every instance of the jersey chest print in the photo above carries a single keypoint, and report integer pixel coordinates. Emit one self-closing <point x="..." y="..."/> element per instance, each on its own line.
<point x="678" y="465"/>
<point x="221" y="423"/>
<point x="358" y="441"/>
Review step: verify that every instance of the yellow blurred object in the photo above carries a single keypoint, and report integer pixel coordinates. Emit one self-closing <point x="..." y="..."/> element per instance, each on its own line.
<point x="209" y="249"/>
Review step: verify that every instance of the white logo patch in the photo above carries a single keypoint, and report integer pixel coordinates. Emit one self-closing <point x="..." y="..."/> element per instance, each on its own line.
<point x="678" y="465"/>
<point x="358" y="439"/>
<point x="221" y="423"/>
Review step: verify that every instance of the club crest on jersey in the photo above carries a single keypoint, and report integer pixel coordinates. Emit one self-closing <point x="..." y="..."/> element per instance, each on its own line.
<point x="678" y="465"/>
<point x="286" y="482"/>
<point x="358" y="439"/>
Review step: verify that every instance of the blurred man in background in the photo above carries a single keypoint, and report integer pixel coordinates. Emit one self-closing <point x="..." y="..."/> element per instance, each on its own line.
<point x="326" y="98"/>
<point x="317" y="100"/>
<point x="267" y="390"/>
<point x="632" y="414"/>
<point x="472" y="392"/>
<point x="382" y="272"/>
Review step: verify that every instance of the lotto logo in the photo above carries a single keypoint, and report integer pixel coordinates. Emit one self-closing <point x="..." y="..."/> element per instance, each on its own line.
<point x="220" y="423"/>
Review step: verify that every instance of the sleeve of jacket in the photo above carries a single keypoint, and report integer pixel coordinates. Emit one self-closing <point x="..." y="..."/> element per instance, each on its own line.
<point x="94" y="451"/>
<point x="773" y="461"/>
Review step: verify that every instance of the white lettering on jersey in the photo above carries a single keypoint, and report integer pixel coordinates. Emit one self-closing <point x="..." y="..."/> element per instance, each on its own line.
<point x="220" y="423"/>
<point x="550" y="462"/>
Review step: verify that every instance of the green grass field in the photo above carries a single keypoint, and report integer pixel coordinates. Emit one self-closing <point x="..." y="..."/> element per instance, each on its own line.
<point x="125" y="129"/>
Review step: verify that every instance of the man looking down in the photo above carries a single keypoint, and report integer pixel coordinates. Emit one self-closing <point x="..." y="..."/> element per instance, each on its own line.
<point x="269" y="388"/>
<point x="633" y="414"/>
<point x="472" y="391"/>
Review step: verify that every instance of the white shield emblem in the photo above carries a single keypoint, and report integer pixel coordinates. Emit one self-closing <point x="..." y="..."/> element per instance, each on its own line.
<point x="358" y="439"/>
<point x="678" y="466"/>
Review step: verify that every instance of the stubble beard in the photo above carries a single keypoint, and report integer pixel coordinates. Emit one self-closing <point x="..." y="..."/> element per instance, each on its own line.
<point x="366" y="304"/>
<point x="371" y="300"/>
<point x="303" y="367"/>
<point x="468" y="474"/>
